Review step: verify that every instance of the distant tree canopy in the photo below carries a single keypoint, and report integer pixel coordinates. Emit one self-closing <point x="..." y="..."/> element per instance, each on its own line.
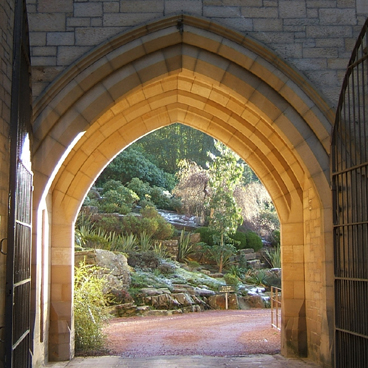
<point x="167" y="146"/>
<point x="156" y="157"/>
<point x="132" y="163"/>
<point x="178" y="159"/>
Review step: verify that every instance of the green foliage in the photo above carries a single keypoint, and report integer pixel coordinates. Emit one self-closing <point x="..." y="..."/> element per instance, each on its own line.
<point x="253" y="241"/>
<point x="160" y="250"/>
<point x="164" y="230"/>
<point x="274" y="257"/>
<point x="256" y="277"/>
<point x="145" y="241"/>
<point x="111" y="185"/>
<point x="132" y="163"/>
<point x="125" y="243"/>
<point x="224" y="175"/>
<point x="221" y="254"/>
<point x="95" y="238"/>
<point x="272" y="279"/>
<point x="167" y="146"/>
<point x="89" y="307"/>
<point x="83" y="231"/>
<point x="161" y="198"/>
<point x="207" y="235"/>
<point x="240" y="240"/>
<point x="248" y="175"/>
<point x="185" y="248"/>
<point x="231" y="279"/>
<point x="235" y="271"/>
<point x="109" y="223"/>
<point x="118" y="200"/>
<point x="275" y="238"/>
<point x="149" y="212"/>
<point x="141" y="188"/>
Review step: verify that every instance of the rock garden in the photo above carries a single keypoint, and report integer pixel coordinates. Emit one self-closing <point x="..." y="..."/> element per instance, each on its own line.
<point x="159" y="244"/>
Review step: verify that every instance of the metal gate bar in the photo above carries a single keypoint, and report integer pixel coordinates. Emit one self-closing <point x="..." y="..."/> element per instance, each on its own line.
<point x="350" y="197"/>
<point x="18" y="266"/>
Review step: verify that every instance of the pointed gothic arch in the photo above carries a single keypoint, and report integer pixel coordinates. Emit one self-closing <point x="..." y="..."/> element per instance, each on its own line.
<point x="188" y="70"/>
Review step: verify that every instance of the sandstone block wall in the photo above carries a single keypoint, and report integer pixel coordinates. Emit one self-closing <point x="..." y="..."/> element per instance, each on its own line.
<point x="6" y="43"/>
<point x="315" y="36"/>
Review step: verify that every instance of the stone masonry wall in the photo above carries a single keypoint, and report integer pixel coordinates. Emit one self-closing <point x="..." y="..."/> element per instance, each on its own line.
<point x="6" y="42"/>
<point x="315" y="36"/>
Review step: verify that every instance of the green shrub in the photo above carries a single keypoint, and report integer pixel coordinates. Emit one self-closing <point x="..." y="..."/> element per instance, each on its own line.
<point x="272" y="279"/>
<point x="150" y="222"/>
<point x="109" y="223"/>
<point x="160" y="197"/>
<point x="236" y="271"/>
<point x="231" y="279"/>
<point x="253" y="241"/>
<point x="149" y="212"/>
<point x="240" y="240"/>
<point x="96" y="241"/>
<point x="111" y="185"/>
<point x="141" y="188"/>
<point x="220" y="254"/>
<point x="164" y="229"/>
<point x="176" y="204"/>
<point x="207" y="235"/>
<point x="119" y="200"/>
<point x="89" y="307"/>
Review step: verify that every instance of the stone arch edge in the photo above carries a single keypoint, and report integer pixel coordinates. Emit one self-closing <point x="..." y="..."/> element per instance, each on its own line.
<point x="325" y="112"/>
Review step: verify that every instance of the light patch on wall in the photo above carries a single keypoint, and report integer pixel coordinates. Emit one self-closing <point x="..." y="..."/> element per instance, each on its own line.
<point x="60" y="162"/>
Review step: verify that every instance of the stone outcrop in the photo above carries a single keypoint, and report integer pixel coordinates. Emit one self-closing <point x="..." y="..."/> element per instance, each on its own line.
<point x="114" y="266"/>
<point x="218" y="301"/>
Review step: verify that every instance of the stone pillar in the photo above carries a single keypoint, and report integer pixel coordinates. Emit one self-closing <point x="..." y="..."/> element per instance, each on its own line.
<point x="61" y="331"/>
<point x="294" y="328"/>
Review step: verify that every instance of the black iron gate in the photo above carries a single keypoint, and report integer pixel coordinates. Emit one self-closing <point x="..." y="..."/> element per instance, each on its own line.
<point x="350" y="198"/>
<point x="18" y="267"/>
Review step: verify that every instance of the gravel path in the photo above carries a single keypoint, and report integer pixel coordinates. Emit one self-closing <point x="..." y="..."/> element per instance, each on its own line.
<point x="210" y="333"/>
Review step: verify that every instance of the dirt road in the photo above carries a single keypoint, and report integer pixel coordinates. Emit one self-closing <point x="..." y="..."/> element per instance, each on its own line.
<point x="211" y="333"/>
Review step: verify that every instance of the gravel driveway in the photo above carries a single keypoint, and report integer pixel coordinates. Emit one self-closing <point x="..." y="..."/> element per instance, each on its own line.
<point x="210" y="333"/>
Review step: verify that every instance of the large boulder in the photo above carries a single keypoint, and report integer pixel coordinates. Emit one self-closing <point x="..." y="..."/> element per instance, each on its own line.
<point x="114" y="268"/>
<point x="218" y="301"/>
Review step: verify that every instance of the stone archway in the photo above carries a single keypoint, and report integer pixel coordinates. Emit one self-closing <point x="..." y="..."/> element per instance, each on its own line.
<point x="187" y="70"/>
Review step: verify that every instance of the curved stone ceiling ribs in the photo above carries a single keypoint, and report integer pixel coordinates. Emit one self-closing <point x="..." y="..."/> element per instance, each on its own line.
<point x="206" y="77"/>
